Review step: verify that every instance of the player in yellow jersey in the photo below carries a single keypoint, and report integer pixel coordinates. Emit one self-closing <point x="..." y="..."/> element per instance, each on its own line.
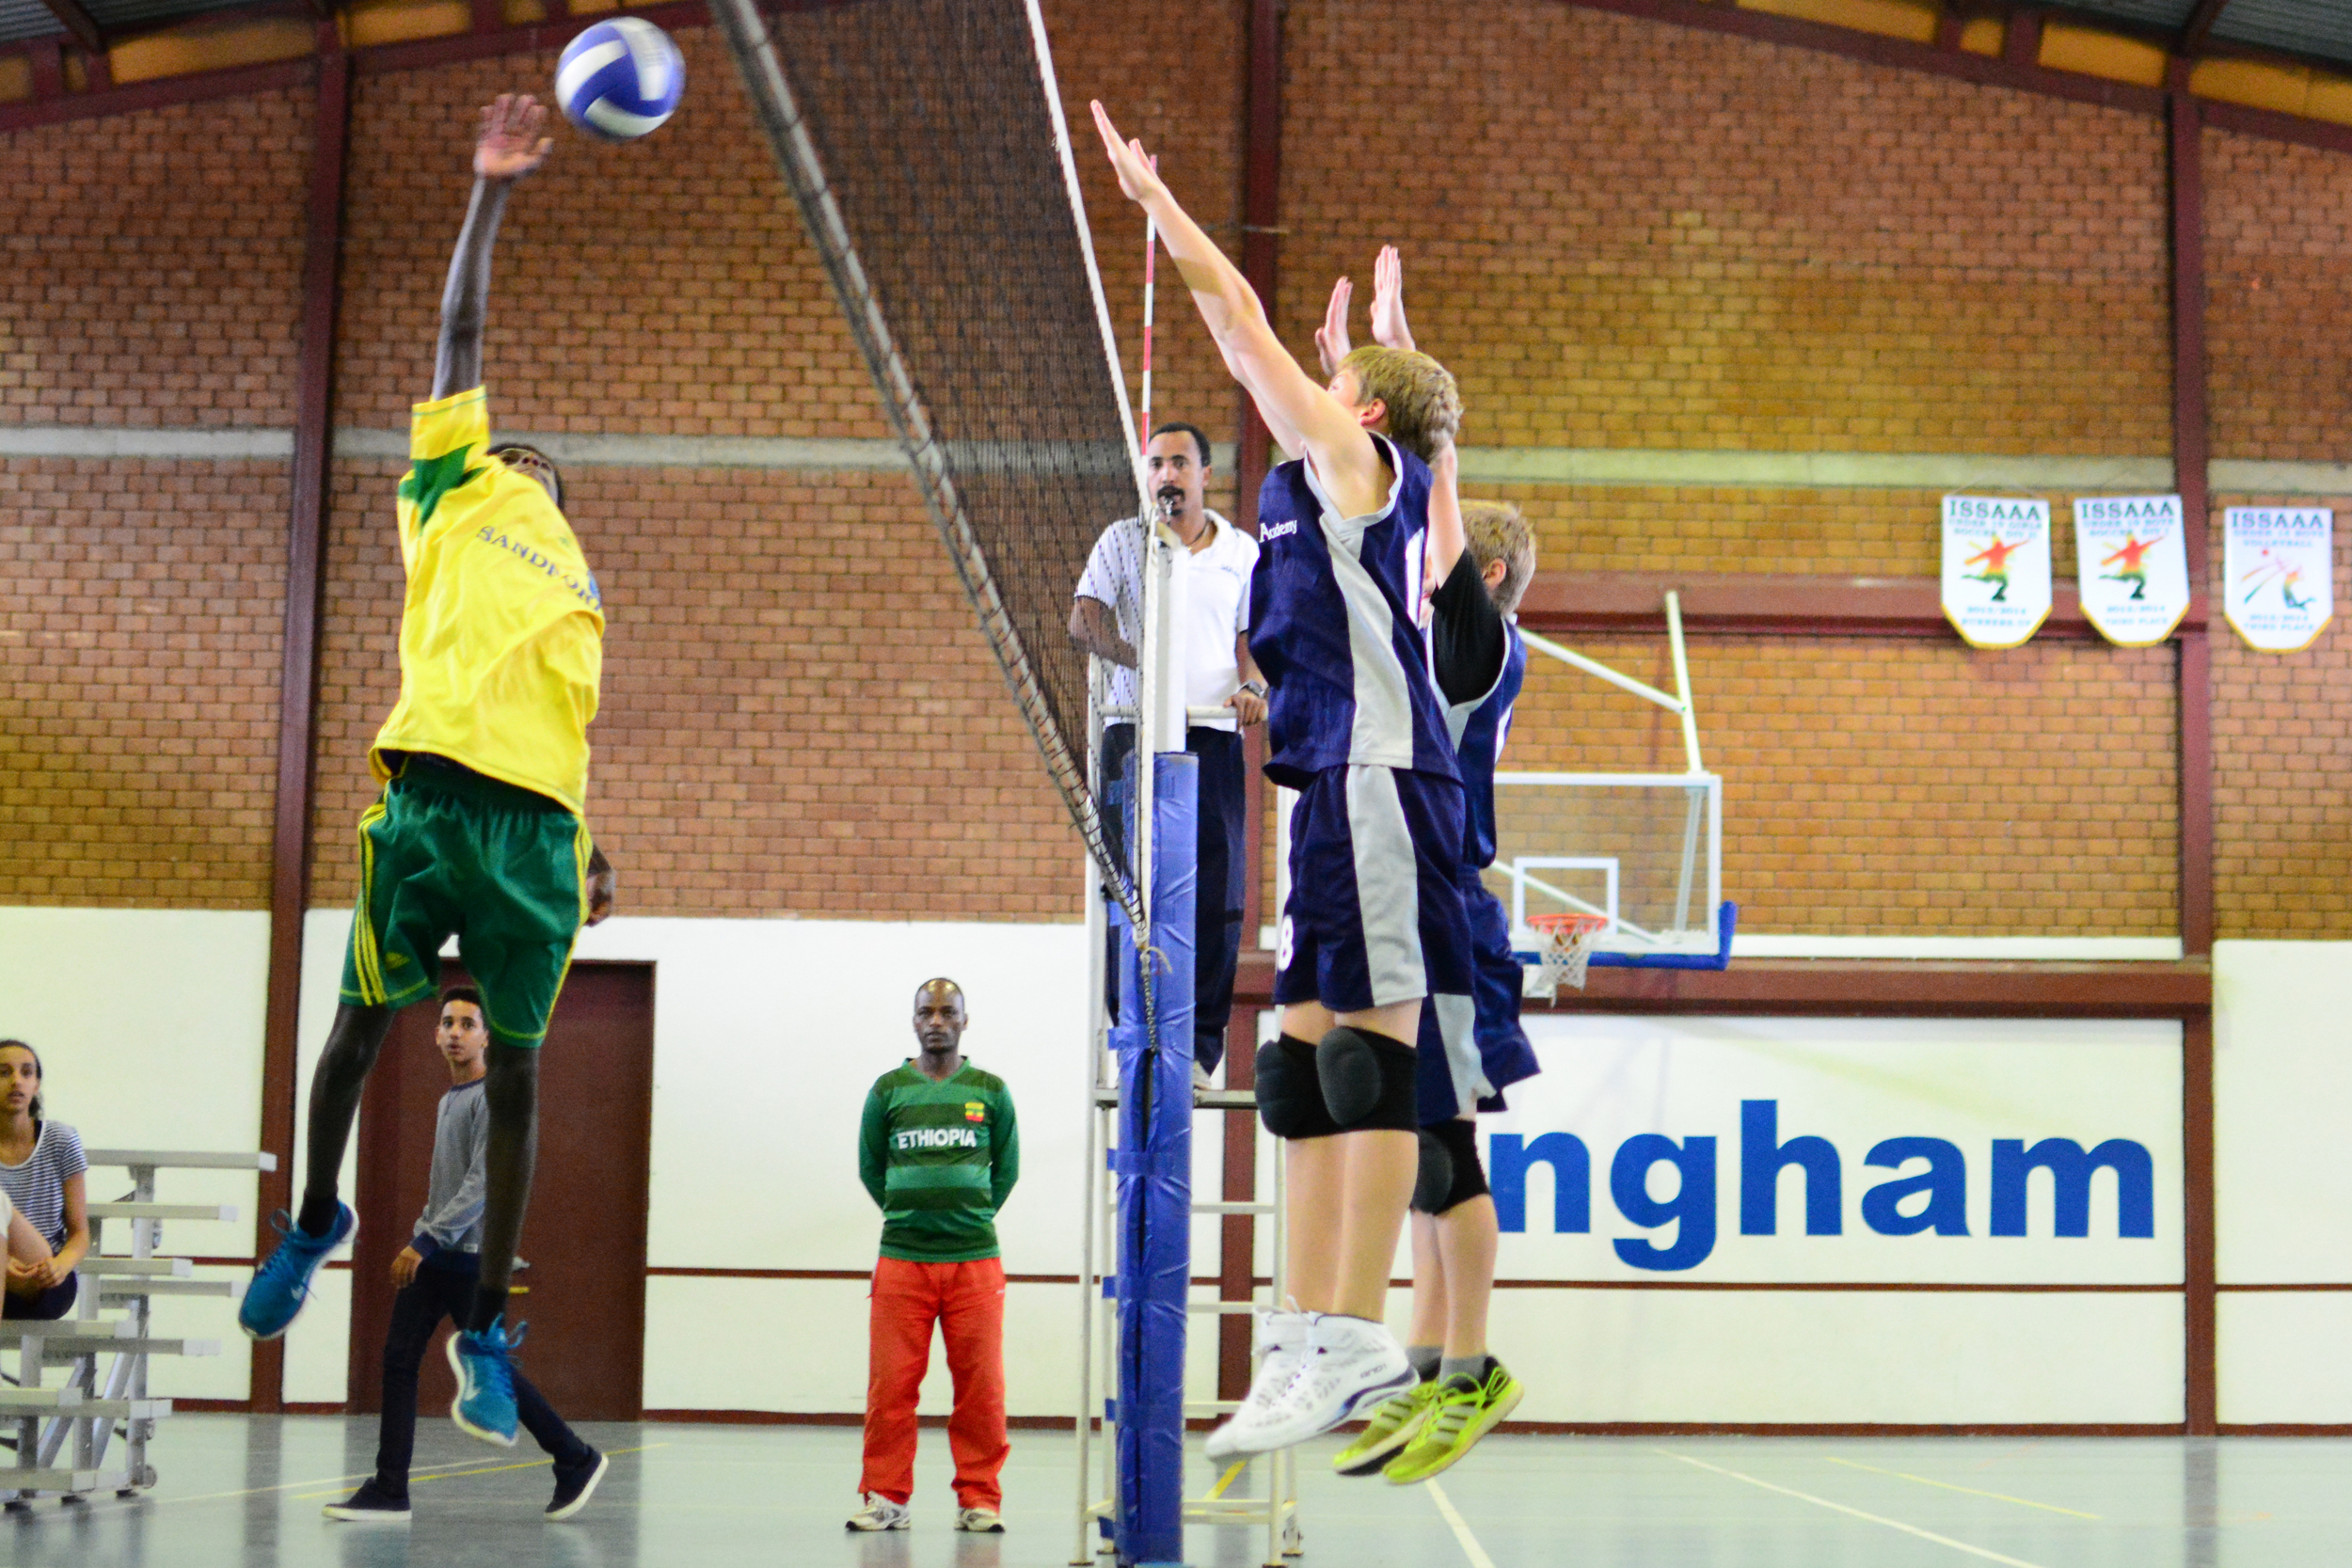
<point x="479" y="832"/>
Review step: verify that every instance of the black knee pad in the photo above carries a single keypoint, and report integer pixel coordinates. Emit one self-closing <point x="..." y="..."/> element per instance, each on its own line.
<point x="1455" y="1144"/>
<point x="1369" y="1081"/>
<point x="1289" y="1094"/>
<point x="1436" y="1177"/>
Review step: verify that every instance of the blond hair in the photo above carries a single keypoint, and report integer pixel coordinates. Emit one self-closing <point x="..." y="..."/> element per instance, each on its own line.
<point x="1425" y="407"/>
<point x="1495" y="530"/>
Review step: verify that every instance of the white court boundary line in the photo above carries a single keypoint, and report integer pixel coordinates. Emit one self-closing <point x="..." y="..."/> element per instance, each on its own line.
<point x="1988" y="1555"/>
<point x="1468" y="1542"/>
<point x="1972" y="1491"/>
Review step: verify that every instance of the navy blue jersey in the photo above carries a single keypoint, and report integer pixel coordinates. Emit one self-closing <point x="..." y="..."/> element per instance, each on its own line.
<point x="1333" y="607"/>
<point x="1478" y="728"/>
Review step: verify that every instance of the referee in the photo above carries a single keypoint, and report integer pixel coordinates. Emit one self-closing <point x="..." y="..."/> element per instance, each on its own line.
<point x="1106" y="621"/>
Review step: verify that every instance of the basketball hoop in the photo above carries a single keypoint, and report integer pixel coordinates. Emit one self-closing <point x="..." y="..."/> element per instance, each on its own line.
<point x="1568" y="943"/>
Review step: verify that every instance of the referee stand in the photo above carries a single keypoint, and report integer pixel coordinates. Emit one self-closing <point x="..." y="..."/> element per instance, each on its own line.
<point x="1136" y="1250"/>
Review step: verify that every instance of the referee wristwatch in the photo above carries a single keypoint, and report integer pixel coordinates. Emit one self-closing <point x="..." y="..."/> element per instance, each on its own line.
<point x="1256" y="689"/>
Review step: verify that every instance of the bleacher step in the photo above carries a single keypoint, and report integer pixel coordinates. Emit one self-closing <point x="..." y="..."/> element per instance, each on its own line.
<point x="79" y="1328"/>
<point x="62" y="1347"/>
<point x="180" y="1159"/>
<point x="150" y="1268"/>
<point x="116" y="1293"/>
<point x="71" y="1402"/>
<point x="163" y="1210"/>
<point x="63" y="1480"/>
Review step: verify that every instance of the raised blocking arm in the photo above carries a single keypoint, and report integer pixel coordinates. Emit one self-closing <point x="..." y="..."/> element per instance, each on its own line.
<point x="1344" y="454"/>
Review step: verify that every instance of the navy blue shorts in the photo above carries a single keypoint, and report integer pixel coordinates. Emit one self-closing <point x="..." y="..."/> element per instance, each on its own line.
<point x="1376" y="913"/>
<point x="1473" y="1048"/>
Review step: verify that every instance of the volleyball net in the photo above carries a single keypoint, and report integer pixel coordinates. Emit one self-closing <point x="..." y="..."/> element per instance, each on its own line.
<point x="924" y="143"/>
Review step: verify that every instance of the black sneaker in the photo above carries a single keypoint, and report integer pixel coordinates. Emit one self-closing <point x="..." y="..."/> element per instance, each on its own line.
<point x="370" y="1502"/>
<point x="576" y="1484"/>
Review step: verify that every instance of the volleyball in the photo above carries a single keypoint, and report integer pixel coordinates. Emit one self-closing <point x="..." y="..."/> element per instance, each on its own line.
<point x="620" y="79"/>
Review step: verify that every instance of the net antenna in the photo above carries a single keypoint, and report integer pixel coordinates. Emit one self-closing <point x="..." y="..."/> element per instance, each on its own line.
<point x="944" y="208"/>
<point x="1150" y="269"/>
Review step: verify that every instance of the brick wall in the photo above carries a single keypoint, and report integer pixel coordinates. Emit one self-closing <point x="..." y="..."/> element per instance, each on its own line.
<point x="1901" y="786"/>
<point x="1663" y="527"/>
<point x="2279" y="265"/>
<point x="149" y="284"/>
<point x="2282" y="767"/>
<point x="625" y="298"/>
<point x="139" y="642"/>
<point x="1626" y="234"/>
<point x="1622" y="235"/>
<point x="152" y="264"/>
<point x="798" y="716"/>
<point x="2279" y="257"/>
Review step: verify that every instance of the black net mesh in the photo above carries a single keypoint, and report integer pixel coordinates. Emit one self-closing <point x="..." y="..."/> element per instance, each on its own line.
<point x="920" y="145"/>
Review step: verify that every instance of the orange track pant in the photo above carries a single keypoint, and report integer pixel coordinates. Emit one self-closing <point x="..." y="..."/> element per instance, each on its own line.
<point x="967" y="1302"/>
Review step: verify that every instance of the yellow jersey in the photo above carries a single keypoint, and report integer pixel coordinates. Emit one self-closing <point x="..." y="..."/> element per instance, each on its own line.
<point x="502" y="632"/>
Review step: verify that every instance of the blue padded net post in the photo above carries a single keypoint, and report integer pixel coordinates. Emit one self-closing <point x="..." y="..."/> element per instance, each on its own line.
<point x="1156" y="1183"/>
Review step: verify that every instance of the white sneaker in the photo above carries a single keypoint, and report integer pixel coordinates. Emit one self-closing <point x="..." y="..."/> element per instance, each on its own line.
<point x="1352" y="1365"/>
<point x="1282" y="1346"/>
<point x="979" y="1521"/>
<point x="879" y="1512"/>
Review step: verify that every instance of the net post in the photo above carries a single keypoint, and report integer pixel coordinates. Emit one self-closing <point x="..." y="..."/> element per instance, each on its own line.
<point x="1156" y="1182"/>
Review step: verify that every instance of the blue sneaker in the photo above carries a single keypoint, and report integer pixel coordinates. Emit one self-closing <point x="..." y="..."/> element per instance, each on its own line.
<point x="484" y="1405"/>
<point x="282" y="1284"/>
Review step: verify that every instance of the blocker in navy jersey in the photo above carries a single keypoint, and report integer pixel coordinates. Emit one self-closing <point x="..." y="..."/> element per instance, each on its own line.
<point x="1376" y="913"/>
<point x="620" y="79"/>
<point x="1473" y="1048"/>
<point x="1478" y="729"/>
<point x="1333" y="605"/>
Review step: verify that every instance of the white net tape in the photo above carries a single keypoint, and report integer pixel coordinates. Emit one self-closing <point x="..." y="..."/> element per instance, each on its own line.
<point x="1568" y="943"/>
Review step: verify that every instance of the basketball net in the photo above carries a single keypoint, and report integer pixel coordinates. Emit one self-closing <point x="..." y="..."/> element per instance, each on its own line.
<point x="1568" y="943"/>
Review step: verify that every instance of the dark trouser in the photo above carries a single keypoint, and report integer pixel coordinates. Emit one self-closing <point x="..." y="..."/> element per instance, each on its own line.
<point x="1223" y="864"/>
<point x="445" y="1290"/>
<point x="49" y="1305"/>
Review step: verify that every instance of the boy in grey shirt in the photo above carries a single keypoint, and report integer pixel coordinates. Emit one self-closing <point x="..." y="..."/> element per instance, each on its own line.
<point x="436" y="1273"/>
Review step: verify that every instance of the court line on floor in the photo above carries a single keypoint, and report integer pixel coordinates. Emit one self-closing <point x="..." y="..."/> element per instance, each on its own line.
<point x="1972" y="1491"/>
<point x="329" y="1480"/>
<point x="1986" y="1553"/>
<point x="1468" y="1542"/>
<point x="453" y="1473"/>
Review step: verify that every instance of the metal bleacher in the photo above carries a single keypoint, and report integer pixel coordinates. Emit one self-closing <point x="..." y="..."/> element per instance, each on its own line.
<point x="65" y="1428"/>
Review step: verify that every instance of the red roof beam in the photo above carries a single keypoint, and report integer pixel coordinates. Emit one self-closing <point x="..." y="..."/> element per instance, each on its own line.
<point x="75" y="19"/>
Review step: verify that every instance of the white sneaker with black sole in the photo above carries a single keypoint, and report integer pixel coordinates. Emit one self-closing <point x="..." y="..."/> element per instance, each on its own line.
<point x="1282" y="1346"/>
<point x="1352" y="1363"/>
<point x="979" y="1521"/>
<point x="879" y="1513"/>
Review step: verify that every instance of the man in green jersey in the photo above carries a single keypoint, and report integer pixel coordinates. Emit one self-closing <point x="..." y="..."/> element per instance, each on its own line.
<point x="938" y="1152"/>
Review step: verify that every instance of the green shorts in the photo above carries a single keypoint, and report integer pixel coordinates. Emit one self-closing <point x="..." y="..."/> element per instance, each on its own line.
<point x="501" y="868"/>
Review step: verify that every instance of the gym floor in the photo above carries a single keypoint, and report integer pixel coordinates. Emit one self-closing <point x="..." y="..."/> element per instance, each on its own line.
<point x="245" y="1493"/>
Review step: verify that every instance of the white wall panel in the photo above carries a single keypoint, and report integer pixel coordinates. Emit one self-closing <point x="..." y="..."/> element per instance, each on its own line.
<point x="2282" y="1111"/>
<point x="1821" y="1356"/>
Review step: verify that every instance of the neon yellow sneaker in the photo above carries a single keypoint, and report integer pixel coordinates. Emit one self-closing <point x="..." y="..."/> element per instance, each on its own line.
<point x="1461" y="1414"/>
<point x="1394" y="1421"/>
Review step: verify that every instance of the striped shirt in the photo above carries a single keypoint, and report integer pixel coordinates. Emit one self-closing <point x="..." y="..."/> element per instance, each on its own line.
<point x="36" y="1187"/>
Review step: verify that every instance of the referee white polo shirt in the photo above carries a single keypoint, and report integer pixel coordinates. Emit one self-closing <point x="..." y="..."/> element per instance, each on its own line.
<point x="1217" y="608"/>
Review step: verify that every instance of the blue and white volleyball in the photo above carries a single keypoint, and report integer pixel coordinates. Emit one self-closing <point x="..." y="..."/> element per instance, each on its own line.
<point x="620" y="79"/>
